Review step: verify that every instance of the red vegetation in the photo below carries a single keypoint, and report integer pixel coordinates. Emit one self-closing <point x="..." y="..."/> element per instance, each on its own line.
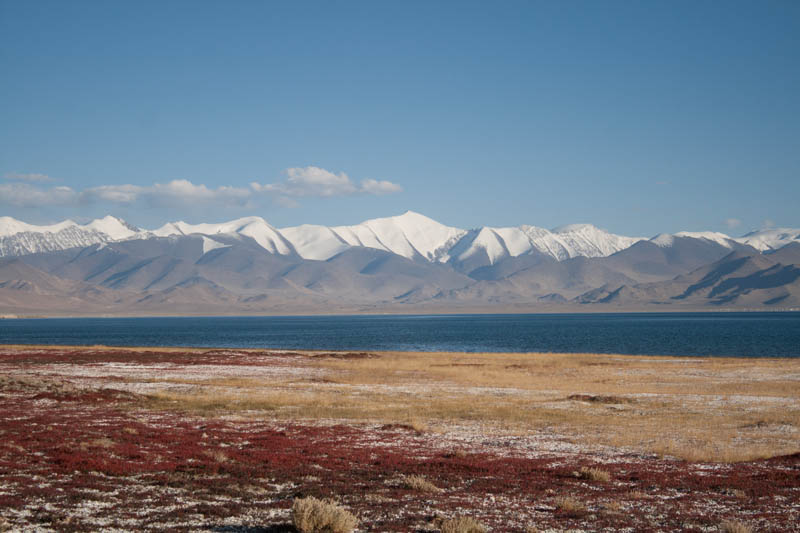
<point x="77" y="460"/>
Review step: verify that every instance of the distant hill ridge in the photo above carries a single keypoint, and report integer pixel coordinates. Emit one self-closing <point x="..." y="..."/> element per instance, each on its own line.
<point x="408" y="263"/>
<point x="410" y="235"/>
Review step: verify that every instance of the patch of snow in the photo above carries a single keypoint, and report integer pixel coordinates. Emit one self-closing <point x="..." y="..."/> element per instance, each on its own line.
<point x="770" y="239"/>
<point x="211" y="244"/>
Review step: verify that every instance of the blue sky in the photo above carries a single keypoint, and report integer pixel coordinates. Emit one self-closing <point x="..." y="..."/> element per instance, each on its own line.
<point x="639" y="117"/>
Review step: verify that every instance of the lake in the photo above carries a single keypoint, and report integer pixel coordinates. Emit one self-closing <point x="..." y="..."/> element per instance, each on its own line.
<point x="704" y="334"/>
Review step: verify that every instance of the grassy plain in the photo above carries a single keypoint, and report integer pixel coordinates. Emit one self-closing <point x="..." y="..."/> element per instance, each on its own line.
<point x="153" y="439"/>
<point x="701" y="409"/>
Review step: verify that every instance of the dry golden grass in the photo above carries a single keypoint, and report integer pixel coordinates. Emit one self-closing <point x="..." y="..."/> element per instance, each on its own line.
<point x="698" y="409"/>
<point x="569" y="504"/>
<point x="419" y="483"/>
<point x="612" y="507"/>
<point x="732" y="526"/>
<point x="102" y="442"/>
<point x="462" y="524"/>
<point x="218" y="455"/>
<point x="594" y="474"/>
<point x="310" y="515"/>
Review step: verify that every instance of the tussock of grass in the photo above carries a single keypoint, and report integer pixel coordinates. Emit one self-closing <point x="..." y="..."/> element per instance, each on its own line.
<point x="612" y="507"/>
<point x="594" y="474"/>
<point x="733" y="526"/>
<point x="419" y="483"/>
<point x="569" y="504"/>
<point x="311" y="515"/>
<point x="462" y="524"/>
<point x="102" y="442"/>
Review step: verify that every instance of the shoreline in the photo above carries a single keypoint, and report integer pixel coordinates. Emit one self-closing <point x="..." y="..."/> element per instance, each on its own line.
<point x="312" y="352"/>
<point x="410" y="312"/>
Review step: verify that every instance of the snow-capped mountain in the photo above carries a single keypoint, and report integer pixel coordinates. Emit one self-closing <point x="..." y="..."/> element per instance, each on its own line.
<point x="18" y="238"/>
<point x="762" y="240"/>
<point x="665" y="240"/>
<point x="248" y="266"/>
<point x="413" y="235"/>
<point x="410" y="235"/>
<point x="256" y="228"/>
<point x="770" y="239"/>
<point x="561" y="243"/>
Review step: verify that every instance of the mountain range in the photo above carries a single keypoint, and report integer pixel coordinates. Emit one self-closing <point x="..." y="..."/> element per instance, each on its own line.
<point x="405" y="263"/>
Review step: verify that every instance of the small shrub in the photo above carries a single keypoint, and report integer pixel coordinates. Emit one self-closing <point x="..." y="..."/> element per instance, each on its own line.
<point x="462" y="524"/>
<point x="732" y="526"/>
<point x="569" y="505"/>
<point x="217" y="455"/>
<point x="419" y="483"/>
<point x="613" y="507"/>
<point x="594" y="474"/>
<point x="311" y="515"/>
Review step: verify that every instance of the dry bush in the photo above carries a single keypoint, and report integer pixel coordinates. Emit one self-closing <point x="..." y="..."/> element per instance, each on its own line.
<point x="102" y="442"/>
<point x="733" y="526"/>
<point x="594" y="474"/>
<point x="612" y="507"/>
<point x="218" y="455"/>
<point x="531" y="529"/>
<point x="311" y="515"/>
<point x="419" y="483"/>
<point x="569" y="504"/>
<point x="462" y="524"/>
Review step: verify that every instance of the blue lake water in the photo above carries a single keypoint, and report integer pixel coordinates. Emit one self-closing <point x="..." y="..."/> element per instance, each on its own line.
<point x="707" y="334"/>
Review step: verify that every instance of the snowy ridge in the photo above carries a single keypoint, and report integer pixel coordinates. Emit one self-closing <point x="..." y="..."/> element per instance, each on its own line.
<point x="665" y="240"/>
<point x="770" y="239"/>
<point x="256" y="228"/>
<point x="410" y="235"/>
<point x="561" y="243"/>
<point x="19" y="238"/>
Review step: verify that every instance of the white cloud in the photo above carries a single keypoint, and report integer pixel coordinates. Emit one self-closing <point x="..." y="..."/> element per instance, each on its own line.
<point x="168" y="194"/>
<point x="28" y="191"/>
<point x="118" y="194"/>
<point x="379" y="187"/>
<point x="732" y="222"/>
<point x="316" y="181"/>
<point x="27" y="195"/>
<point x="188" y="192"/>
<point x="35" y="178"/>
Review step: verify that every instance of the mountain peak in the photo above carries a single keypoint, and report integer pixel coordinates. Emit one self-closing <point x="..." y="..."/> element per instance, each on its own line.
<point x="574" y="228"/>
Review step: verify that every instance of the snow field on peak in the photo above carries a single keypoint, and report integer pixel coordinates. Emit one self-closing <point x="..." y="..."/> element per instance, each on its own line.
<point x="562" y="243"/>
<point x="713" y="236"/>
<point x="318" y="243"/>
<point x="409" y="235"/>
<point x="770" y="239"/>
<point x="11" y="226"/>
<point x="256" y="228"/>
<point x="211" y="244"/>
